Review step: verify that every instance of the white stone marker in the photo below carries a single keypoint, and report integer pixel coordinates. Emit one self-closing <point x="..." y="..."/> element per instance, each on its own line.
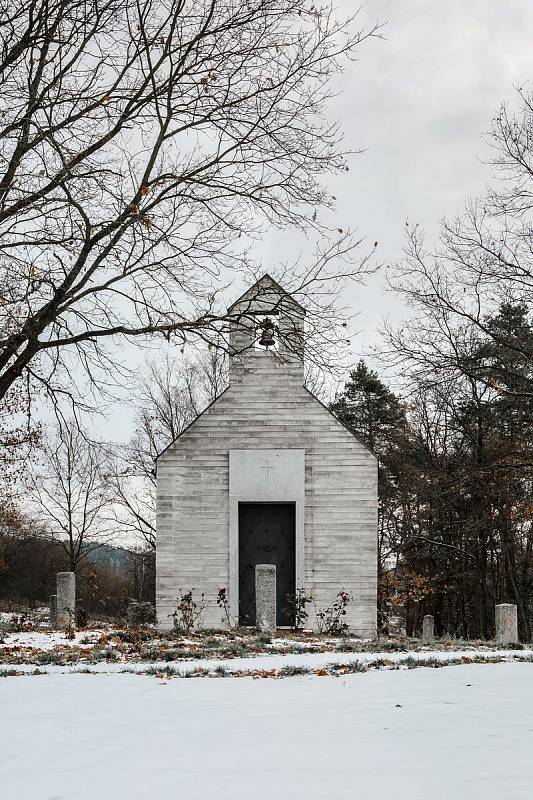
<point x="132" y="612"/>
<point x="66" y="599"/>
<point x="428" y="628"/>
<point x="506" y="623"/>
<point x="265" y="597"/>
<point x="53" y="611"/>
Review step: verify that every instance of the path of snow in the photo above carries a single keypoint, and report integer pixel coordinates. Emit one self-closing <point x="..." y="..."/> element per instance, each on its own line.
<point x="464" y="733"/>
<point x="265" y="662"/>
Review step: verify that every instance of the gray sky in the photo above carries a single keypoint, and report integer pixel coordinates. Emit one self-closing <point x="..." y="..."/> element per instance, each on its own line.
<point x="419" y="102"/>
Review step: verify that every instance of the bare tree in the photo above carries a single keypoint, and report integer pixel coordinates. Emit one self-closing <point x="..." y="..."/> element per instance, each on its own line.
<point x="466" y="356"/>
<point x="19" y="435"/>
<point x="484" y="264"/>
<point x="71" y="495"/>
<point x="141" y="141"/>
<point x="171" y="393"/>
<point x="142" y="572"/>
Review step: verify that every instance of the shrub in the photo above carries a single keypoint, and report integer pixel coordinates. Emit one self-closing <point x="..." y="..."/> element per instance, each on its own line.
<point x="188" y="611"/>
<point x="291" y="670"/>
<point x="296" y="608"/>
<point x="21" y="623"/>
<point x="141" y="614"/>
<point x="223" y="603"/>
<point x="82" y="617"/>
<point x="330" y="619"/>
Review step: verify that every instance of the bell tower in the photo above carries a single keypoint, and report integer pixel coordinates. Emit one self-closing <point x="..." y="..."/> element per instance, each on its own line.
<point x="266" y="332"/>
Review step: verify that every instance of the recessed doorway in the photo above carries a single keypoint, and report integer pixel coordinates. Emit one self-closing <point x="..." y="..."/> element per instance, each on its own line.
<point x="266" y="536"/>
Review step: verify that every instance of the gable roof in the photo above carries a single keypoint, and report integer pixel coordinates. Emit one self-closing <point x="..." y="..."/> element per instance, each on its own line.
<point x="344" y="425"/>
<point x="268" y="282"/>
<point x="193" y="422"/>
<point x="212" y="403"/>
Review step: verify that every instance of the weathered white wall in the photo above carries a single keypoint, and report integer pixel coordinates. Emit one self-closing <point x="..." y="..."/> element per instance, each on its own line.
<point x="267" y="407"/>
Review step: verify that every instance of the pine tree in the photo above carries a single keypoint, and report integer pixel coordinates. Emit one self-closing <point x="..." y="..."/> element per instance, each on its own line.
<point x="369" y="408"/>
<point x="376" y="415"/>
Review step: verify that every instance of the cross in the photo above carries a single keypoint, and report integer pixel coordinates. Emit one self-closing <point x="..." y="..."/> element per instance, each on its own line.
<point x="268" y="468"/>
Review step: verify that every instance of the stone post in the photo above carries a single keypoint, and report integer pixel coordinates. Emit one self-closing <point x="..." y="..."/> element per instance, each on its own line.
<point x="53" y="611"/>
<point x="265" y="597"/>
<point x="132" y="612"/>
<point x="506" y="623"/>
<point x="428" y="628"/>
<point x="66" y="599"/>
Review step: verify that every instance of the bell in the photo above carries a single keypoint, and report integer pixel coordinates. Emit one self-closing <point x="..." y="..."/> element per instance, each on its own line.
<point x="267" y="335"/>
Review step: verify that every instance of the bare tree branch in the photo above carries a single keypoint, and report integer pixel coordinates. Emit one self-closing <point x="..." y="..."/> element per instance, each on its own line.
<point x="144" y="144"/>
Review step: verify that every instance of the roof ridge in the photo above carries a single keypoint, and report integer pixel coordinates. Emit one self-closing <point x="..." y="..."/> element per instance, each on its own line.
<point x="277" y="285"/>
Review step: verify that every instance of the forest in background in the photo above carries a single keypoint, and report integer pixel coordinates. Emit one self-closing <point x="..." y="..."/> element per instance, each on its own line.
<point x="455" y="533"/>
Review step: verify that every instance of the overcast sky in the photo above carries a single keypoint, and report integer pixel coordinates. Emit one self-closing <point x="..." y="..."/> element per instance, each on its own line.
<point x="419" y="101"/>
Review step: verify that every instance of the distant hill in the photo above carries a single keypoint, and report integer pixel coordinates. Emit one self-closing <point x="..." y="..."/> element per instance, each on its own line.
<point x="110" y="556"/>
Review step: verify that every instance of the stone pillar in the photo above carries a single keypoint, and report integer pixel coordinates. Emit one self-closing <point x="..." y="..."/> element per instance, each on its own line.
<point x="132" y="612"/>
<point x="506" y="623"/>
<point x="428" y="628"/>
<point x="265" y="597"/>
<point x="53" y="611"/>
<point x="66" y="599"/>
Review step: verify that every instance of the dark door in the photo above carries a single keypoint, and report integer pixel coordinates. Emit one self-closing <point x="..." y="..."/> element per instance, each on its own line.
<point x="266" y="536"/>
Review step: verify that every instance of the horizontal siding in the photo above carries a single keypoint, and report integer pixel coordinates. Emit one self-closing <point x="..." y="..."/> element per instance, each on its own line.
<point x="267" y="407"/>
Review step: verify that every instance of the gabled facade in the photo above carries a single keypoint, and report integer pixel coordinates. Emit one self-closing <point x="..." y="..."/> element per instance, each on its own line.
<point x="267" y="475"/>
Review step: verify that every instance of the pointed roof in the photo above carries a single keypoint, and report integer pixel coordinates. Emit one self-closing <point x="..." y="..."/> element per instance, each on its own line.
<point x="266" y="282"/>
<point x="320" y="403"/>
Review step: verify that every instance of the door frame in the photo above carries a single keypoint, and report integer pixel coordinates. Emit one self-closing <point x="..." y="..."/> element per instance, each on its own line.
<point x="265" y="476"/>
<point x="286" y="504"/>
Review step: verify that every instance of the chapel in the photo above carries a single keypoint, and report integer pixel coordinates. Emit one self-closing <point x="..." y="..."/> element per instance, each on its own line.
<point x="267" y="475"/>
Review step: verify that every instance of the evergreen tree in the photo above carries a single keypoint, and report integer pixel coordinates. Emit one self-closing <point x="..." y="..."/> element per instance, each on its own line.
<point x="455" y="533"/>
<point x="375" y="414"/>
<point x="369" y="408"/>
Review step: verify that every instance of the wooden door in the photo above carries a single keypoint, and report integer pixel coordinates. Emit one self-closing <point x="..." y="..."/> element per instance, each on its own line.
<point x="266" y="536"/>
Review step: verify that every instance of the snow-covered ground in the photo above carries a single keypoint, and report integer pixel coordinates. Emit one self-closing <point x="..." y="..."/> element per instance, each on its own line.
<point x="270" y="662"/>
<point x="461" y="733"/>
<point x="37" y="615"/>
<point x="45" y="641"/>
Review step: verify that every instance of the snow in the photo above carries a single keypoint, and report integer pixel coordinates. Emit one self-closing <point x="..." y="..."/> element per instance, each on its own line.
<point x="462" y="732"/>
<point x="45" y="641"/>
<point x="268" y="662"/>
<point x="35" y="614"/>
